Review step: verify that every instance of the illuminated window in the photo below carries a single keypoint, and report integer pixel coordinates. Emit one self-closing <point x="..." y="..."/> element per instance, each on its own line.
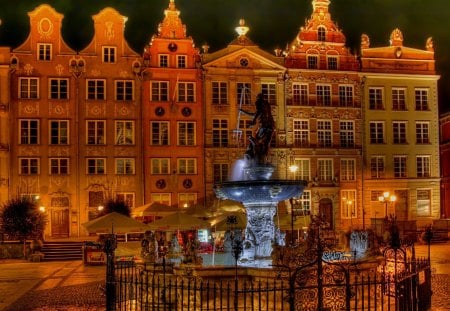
<point x="186" y="92"/>
<point x="95" y="132"/>
<point x="348" y="204"/>
<point x="163" y="60"/>
<point x="421" y="96"/>
<point x="59" y="166"/>
<point x="186" y="133"/>
<point x="332" y="62"/>
<point x="124" y="132"/>
<point x="300" y="94"/>
<point x="377" y="167"/>
<point x="109" y="54"/>
<point x="124" y="89"/>
<point x="303" y="171"/>
<point x="125" y="166"/>
<point x="269" y="90"/>
<point x="423" y="202"/>
<point x="312" y="62"/>
<point x="29" y="132"/>
<point x="29" y="166"/>
<point x="345" y="95"/>
<point x="321" y="33"/>
<point x="244" y="93"/>
<point x="400" y="167"/>
<point x="301" y="133"/>
<point x="127" y="197"/>
<point x="96" y="89"/>
<point x="187" y="166"/>
<point x="399" y="132"/>
<point x="44" y="51"/>
<point x="323" y="93"/>
<point x="159" y="133"/>
<point x="160" y="91"/>
<point x="423" y="166"/>
<point x="162" y="198"/>
<point x="160" y="166"/>
<point x="181" y="61"/>
<point x="220" y="133"/>
<point x="324" y="133"/>
<point x="422" y="132"/>
<point x="376" y="129"/>
<point x="58" y="88"/>
<point x="347" y="134"/>
<point x="348" y="169"/>
<point x="376" y="98"/>
<point x="220" y="172"/>
<point x="95" y="166"/>
<point x="187" y="199"/>
<point x="219" y="93"/>
<point x="325" y="169"/>
<point x="399" y="99"/>
<point x="59" y="132"/>
<point x="28" y="88"/>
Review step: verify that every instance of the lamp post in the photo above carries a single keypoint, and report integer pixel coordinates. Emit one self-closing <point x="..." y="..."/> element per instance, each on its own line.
<point x="293" y="169"/>
<point x="387" y="198"/>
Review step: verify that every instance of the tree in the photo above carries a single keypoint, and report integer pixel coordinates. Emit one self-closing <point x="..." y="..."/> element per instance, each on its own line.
<point x="22" y="220"/>
<point x="116" y="205"/>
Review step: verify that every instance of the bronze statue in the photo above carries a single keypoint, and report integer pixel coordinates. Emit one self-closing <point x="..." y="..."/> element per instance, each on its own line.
<point x="258" y="147"/>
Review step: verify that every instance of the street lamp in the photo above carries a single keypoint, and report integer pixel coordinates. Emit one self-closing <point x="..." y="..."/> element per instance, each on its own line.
<point x="293" y="169"/>
<point x="386" y="198"/>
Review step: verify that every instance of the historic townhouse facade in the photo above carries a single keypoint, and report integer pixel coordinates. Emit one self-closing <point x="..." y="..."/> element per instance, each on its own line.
<point x="445" y="164"/>
<point x="5" y="133"/>
<point x="172" y="105"/>
<point x="401" y="130"/>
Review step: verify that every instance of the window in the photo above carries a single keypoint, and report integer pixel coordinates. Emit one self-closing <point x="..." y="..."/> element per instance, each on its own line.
<point x="321" y="32"/>
<point x="96" y="89"/>
<point x="181" y="61"/>
<point x="324" y="133"/>
<point x="96" y="198"/>
<point x="347" y="134"/>
<point x="125" y="166"/>
<point x="59" y="166"/>
<point x="398" y="99"/>
<point x="95" y="166"/>
<point x="29" y="166"/>
<point x="376" y="98"/>
<point x="95" y="132"/>
<point x="348" y="204"/>
<point x="59" y="88"/>
<point x="421" y="96"/>
<point x="245" y="131"/>
<point x="303" y="171"/>
<point x="422" y="133"/>
<point x="423" y="202"/>
<point x="269" y="90"/>
<point x="399" y="132"/>
<point x="305" y="202"/>
<point x="345" y="95"/>
<point x="186" y="133"/>
<point x="187" y="166"/>
<point x="59" y="132"/>
<point x="187" y="199"/>
<point x="186" y="92"/>
<point x="162" y="198"/>
<point x="377" y="167"/>
<point x="300" y="94"/>
<point x="332" y="62"/>
<point x="325" y="169"/>
<point x="29" y="88"/>
<point x="376" y="132"/>
<point x="159" y="133"/>
<point x="127" y="197"/>
<point x="400" y="167"/>
<point x="124" y="89"/>
<point x="301" y="133"/>
<point x="312" y="62"/>
<point x="160" y="91"/>
<point x="219" y="93"/>
<point x="323" y="93"/>
<point x="220" y="133"/>
<point x="244" y="93"/>
<point x="44" y="51"/>
<point x="220" y="172"/>
<point x="160" y="166"/>
<point x="124" y="133"/>
<point x="348" y="169"/>
<point x="29" y="132"/>
<point x="109" y="54"/>
<point x="423" y="166"/>
<point x="163" y="60"/>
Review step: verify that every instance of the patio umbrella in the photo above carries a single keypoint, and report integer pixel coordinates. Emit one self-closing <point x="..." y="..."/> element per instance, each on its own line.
<point x="178" y="221"/>
<point x="199" y="211"/>
<point x="153" y="209"/>
<point x="114" y="222"/>
<point x="220" y="223"/>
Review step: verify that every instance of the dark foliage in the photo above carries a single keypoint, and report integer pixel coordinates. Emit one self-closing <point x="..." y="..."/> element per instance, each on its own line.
<point x="116" y="205"/>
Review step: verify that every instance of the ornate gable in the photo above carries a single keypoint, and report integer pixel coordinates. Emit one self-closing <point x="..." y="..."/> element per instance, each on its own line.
<point x="171" y="27"/>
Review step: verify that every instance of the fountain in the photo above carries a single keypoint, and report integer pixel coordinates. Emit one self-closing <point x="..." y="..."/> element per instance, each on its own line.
<point x="259" y="194"/>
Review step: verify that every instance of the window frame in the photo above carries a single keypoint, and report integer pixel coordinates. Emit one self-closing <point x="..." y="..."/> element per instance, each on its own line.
<point x="29" y="134"/>
<point x="98" y="168"/>
<point x="346" y="211"/>
<point x="399" y="99"/>
<point x="312" y="61"/>
<point x="348" y="169"/>
<point x="181" y="61"/>
<point x="377" y="167"/>
<point x="423" y="166"/>
<point x="109" y="54"/>
<point x="59" y="165"/>
<point x="60" y="138"/>
<point x="159" y="91"/>
<point x="186" y="90"/>
<point x="58" y="89"/>
<point x="159" y="136"/>
<point x="400" y="164"/>
<point x="122" y="166"/>
<point x="32" y="166"/>
<point x="126" y="138"/>
<point x="269" y="90"/>
<point x="325" y="169"/>
<point x="376" y="132"/>
<point x="376" y="98"/>
<point x="399" y="132"/>
<point x="44" y="51"/>
<point x="347" y="134"/>
<point x="97" y="135"/>
<point x="324" y="133"/>
<point x="303" y="171"/>
<point x="422" y="99"/>
<point x="300" y="94"/>
<point x="163" y="61"/>
<point x="187" y="166"/>
<point x="161" y="197"/>
<point x="219" y="93"/>
<point x="346" y="96"/>
<point x="160" y="166"/>
<point x="323" y="95"/>
<point x="220" y="132"/>
<point x="123" y="91"/>
<point x="332" y="62"/>
<point x="95" y="89"/>
<point x="28" y="88"/>
<point x="422" y="132"/>
<point x="186" y="133"/>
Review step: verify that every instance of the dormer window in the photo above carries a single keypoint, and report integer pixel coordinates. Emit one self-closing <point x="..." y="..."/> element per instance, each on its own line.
<point x="44" y="51"/>
<point x="109" y="54"/>
<point x="321" y="33"/>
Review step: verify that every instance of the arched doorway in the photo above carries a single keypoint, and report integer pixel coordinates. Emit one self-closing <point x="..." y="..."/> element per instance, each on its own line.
<point x="326" y="211"/>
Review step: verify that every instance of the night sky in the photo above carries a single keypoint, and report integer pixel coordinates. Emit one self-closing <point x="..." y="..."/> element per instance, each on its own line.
<point x="273" y="23"/>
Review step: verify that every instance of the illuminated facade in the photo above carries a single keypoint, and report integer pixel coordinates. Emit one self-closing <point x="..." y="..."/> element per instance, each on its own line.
<point x="445" y="164"/>
<point x="5" y="133"/>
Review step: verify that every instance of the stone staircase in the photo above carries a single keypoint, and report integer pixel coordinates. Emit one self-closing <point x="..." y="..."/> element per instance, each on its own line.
<point x="62" y="250"/>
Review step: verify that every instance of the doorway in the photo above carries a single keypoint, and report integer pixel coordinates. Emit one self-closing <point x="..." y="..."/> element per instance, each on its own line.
<point x="326" y="212"/>
<point x="60" y="223"/>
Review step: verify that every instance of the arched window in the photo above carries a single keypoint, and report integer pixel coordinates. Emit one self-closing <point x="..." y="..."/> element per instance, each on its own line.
<point x="321" y="34"/>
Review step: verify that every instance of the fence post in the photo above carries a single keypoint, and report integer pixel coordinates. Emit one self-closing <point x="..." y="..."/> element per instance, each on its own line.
<point x="110" y="244"/>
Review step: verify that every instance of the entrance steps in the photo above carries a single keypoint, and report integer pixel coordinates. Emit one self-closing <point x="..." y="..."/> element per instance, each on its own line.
<point x="62" y="250"/>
